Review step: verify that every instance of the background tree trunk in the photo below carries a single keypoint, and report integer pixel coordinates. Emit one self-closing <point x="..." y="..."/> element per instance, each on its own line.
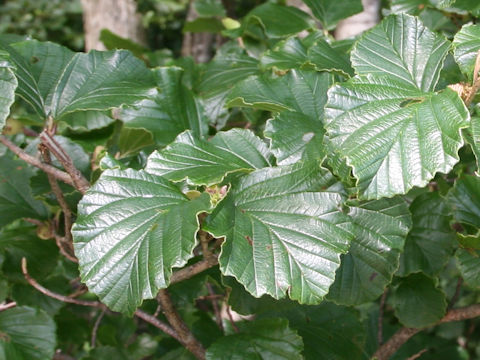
<point x="197" y="45"/>
<point x="118" y="16"/>
<point x="357" y="24"/>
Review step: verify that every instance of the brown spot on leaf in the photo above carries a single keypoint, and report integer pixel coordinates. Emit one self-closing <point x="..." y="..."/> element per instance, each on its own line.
<point x="373" y="276"/>
<point x="249" y="239"/>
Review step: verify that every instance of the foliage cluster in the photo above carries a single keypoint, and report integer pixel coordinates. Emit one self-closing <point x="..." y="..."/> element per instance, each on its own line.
<point x="327" y="189"/>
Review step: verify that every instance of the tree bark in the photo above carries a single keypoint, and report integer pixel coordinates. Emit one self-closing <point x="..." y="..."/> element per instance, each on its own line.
<point x="357" y="24"/>
<point x="118" y="16"/>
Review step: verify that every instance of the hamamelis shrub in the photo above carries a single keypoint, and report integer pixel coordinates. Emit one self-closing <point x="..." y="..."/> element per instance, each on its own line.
<point x="326" y="190"/>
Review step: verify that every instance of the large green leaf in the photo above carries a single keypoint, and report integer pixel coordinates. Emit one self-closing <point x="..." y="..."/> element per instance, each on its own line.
<point x="430" y="243"/>
<point x="132" y="228"/>
<point x="381" y="227"/>
<point x="260" y="339"/>
<point x="328" y="331"/>
<point x="467" y="44"/>
<point x="473" y="137"/>
<point x="207" y="162"/>
<point x="56" y="81"/>
<point x="300" y="97"/>
<point x="281" y="237"/>
<point x="8" y="84"/>
<point x="280" y="21"/>
<point x="465" y="200"/>
<point x="418" y="302"/>
<point x="16" y="200"/>
<point x="172" y="111"/>
<point x="402" y="48"/>
<point x="413" y="7"/>
<point x="230" y="65"/>
<point x="393" y="135"/>
<point x="26" y="334"/>
<point x="331" y="12"/>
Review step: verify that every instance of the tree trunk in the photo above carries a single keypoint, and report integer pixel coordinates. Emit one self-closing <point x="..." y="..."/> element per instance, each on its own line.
<point x="118" y="16"/>
<point x="197" y="45"/>
<point x="357" y="24"/>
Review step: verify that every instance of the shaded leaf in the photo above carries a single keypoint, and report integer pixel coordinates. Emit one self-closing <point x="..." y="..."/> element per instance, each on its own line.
<point x="132" y="228"/>
<point x="465" y="200"/>
<point x="207" y="162"/>
<point x="26" y="334"/>
<point x="260" y="339"/>
<point x="84" y="121"/>
<point x="430" y="243"/>
<point x="280" y="237"/>
<point x="381" y="227"/>
<point x="331" y="12"/>
<point x="132" y="141"/>
<point x="468" y="262"/>
<point x="16" y="200"/>
<point x="280" y="21"/>
<point x="418" y="302"/>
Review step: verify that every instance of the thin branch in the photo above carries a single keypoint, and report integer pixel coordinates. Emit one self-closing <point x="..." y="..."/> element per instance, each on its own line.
<point x="67" y="213"/>
<point x="456" y="295"/>
<point x="230" y="317"/>
<point x="93" y="340"/>
<point x="7" y="306"/>
<point x="417" y="355"/>
<point x="187" y="338"/>
<point x="192" y="270"/>
<point x="57" y="173"/>
<point x="380" y="317"/>
<point x="96" y="304"/>
<point x="79" y="181"/>
<point x="385" y="351"/>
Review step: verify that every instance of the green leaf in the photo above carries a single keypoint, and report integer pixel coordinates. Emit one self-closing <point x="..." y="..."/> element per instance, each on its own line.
<point x="200" y="25"/>
<point x="413" y="7"/>
<point x="328" y="331"/>
<point x="230" y="65"/>
<point x="85" y="121"/>
<point x="281" y="237"/>
<point x="300" y="96"/>
<point x="473" y="137"/>
<point x="430" y="243"/>
<point x="132" y="228"/>
<point x="16" y="200"/>
<point x="132" y="141"/>
<point x="418" y="302"/>
<point x="331" y="12"/>
<point x="8" y="84"/>
<point x="26" y="334"/>
<point x="280" y="21"/>
<point x="77" y="81"/>
<point x="381" y="227"/>
<point x="394" y="136"/>
<point x="466" y="44"/>
<point x="260" y="339"/>
<point x="174" y="109"/>
<point x="326" y="58"/>
<point x="465" y="200"/>
<point x="112" y="41"/>
<point x="207" y="162"/>
<point x="385" y="50"/>
<point x="462" y="6"/>
<point x="468" y="262"/>
<point x="209" y="8"/>
<point x="285" y="55"/>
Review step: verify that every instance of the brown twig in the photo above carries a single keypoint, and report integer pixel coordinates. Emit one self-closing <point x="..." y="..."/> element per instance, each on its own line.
<point x="417" y="355"/>
<point x="95" y="304"/>
<point x="192" y="270"/>
<point x="7" y="306"/>
<point x="93" y="340"/>
<point x="230" y="317"/>
<point x="401" y="336"/>
<point x="380" y="317"/>
<point x="186" y="337"/>
<point x="67" y="213"/>
<point x="57" y="173"/>
<point x="455" y="296"/>
<point x="79" y="181"/>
